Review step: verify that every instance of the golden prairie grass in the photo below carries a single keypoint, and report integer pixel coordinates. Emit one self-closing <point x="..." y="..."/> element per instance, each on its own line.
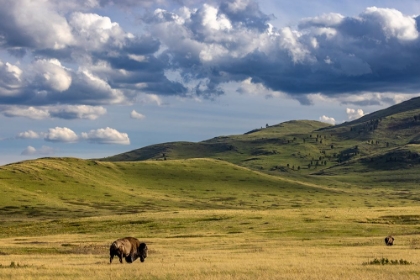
<point x="216" y="259"/>
<point x="229" y="244"/>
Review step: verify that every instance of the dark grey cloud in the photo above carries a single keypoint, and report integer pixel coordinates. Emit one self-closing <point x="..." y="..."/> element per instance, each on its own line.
<point x="376" y="51"/>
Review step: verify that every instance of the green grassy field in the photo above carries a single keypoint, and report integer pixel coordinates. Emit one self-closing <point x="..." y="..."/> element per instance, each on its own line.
<point x="204" y="219"/>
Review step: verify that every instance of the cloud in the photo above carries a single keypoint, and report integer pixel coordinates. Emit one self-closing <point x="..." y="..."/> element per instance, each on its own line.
<point x="331" y="54"/>
<point x="393" y="23"/>
<point x="354" y="114"/>
<point x="149" y="98"/>
<point x="135" y="115"/>
<point x="10" y="79"/>
<point x="106" y="136"/>
<point x="77" y="112"/>
<point x="52" y="75"/>
<point x="62" y="112"/>
<point x="33" y="24"/>
<point x="74" y="56"/>
<point x="247" y="86"/>
<point x="327" y="120"/>
<point x="28" y="112"/>
<point x="245" y="12"/>
<point x="61" y="134"/>
<point x="66" y="135"/>
<point x="30" y="134"/>
<point x="29" y="151"/>
<point x="95" y="32"/>
<point x="44" y="150"/>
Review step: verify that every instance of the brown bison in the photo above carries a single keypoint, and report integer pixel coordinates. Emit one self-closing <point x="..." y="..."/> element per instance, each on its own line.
<point x="129" y="248"/>
<point x="389" y="240"/>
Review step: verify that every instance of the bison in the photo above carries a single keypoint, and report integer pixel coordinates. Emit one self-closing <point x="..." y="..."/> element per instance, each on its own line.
<point x="129" y="248"/>
<point x="389" y="240"/>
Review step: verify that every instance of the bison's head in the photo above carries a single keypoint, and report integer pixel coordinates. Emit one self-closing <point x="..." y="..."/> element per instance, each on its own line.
<point x="142" y="251"/>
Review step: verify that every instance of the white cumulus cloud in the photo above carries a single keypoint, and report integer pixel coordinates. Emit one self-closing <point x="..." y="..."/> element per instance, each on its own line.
<point x="94" y="31"/>
<point x="10" y="79"/>
<point x="35" y="24"/>
<point x="29" y="151"/>
<point x="136" y="115"/>
<point x="30" y="134"/>
<point x="52" y="74"/>
<point x="394" y="23"/>
<point x="44" y="150"/>
<point x="61" y="134"/>
<point x="327" y="119"/>
<point x="106" y="136"/>
<point x="353" y="114"/>
<point x="27" y="112"/>
<point x="77" y="112"/>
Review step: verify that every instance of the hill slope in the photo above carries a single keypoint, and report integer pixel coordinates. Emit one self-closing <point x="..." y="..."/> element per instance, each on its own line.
<point x="70" y="188"/>
<point x="67" y="187"/>
<point x="384" y="140"/>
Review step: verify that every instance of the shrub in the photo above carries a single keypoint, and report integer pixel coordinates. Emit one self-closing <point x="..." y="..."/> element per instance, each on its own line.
<point x="384" y="261"/>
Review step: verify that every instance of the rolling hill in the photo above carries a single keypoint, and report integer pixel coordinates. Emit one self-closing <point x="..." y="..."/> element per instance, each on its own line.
<point x="383" y="141"/>
<point x="292" y="164"/>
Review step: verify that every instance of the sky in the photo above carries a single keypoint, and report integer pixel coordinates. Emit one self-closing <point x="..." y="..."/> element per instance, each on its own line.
<point x="96" y="78"/>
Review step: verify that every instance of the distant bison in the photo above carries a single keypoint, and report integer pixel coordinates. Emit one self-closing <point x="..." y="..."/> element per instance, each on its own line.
<point x="389" y="240"/>
<point x="129" y="248"/>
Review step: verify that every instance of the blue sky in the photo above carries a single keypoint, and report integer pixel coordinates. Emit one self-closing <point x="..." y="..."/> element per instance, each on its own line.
<point x="91" y="79"/>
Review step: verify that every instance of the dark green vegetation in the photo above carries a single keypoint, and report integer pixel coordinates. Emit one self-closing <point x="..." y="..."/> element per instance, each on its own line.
<point x="385" y="261"/>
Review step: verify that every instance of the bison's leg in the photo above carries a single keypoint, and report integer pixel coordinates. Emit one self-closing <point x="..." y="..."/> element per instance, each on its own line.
<point x="110" y="258"/>
<point x="128" y="259"/>
<point x="131" y="258"/>
<point x="134" y="257"/>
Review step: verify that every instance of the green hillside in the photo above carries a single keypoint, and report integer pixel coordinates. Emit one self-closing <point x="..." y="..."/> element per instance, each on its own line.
<point x="67" y="187"/>
<point x="385" y="140"/>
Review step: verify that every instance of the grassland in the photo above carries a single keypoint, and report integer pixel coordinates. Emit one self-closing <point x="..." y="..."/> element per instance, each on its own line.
<point x="202" y="219"/>
<point x="296" y="200"/>
<point x="226" y="244"/>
